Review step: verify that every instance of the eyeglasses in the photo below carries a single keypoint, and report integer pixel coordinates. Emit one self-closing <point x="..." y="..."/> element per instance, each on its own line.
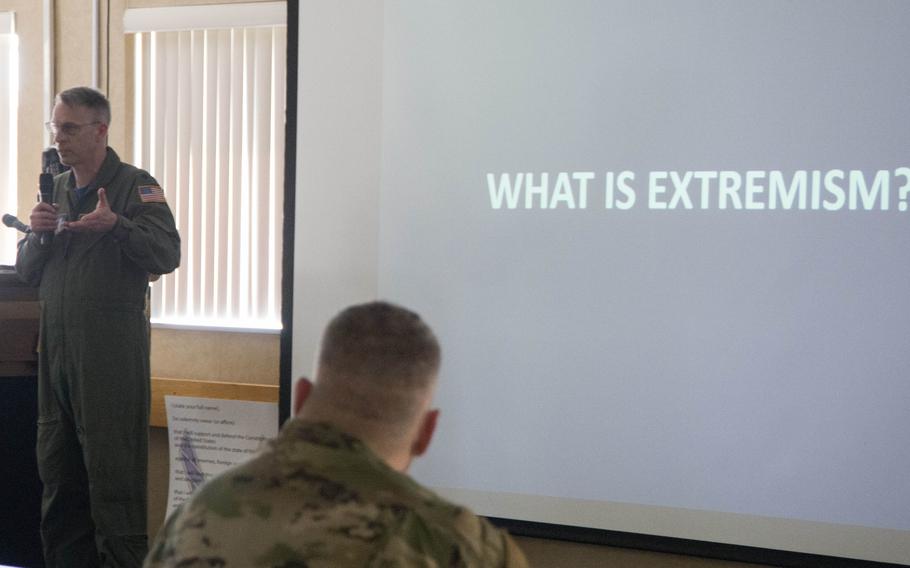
<point x="67" y="128"/>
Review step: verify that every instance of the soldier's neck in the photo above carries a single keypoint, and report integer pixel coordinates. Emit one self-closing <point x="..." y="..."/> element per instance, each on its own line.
<point x="87" y="172"/>
<point x="387" y="448"/>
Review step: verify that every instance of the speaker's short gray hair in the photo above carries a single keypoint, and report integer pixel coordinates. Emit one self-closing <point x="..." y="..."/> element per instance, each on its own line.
<point x="89" y="98"/>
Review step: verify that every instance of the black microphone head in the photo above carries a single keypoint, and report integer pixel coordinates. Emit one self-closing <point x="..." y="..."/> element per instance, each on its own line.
<point x="50" y="162"/>
<point x="46" y="187"/>
<point x="9" y="220"/>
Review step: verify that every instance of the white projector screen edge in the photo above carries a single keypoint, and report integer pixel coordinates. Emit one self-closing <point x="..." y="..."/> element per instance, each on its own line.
<point x="806" y="537"/>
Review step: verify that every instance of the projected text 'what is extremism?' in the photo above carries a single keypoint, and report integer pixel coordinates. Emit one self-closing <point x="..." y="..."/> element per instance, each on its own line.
<point x="753" y="190"/>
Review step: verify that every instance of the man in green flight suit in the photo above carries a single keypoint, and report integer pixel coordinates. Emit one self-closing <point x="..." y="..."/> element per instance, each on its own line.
<point x="331" y="490"/>
<point x="107" y="230"/>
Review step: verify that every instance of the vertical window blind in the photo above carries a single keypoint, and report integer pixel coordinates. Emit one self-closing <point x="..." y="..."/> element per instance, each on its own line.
<point x="9" y="103"/>
<point x="209" y="125"/>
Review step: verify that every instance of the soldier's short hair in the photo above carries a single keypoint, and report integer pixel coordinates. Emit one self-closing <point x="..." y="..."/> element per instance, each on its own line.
<point x="379" y="359"/>
<point x="87" y="97"/>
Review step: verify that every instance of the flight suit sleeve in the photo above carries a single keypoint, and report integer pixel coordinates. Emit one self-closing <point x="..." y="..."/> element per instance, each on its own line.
<point x="30" y="259"/>
<point x="146" y="230"/>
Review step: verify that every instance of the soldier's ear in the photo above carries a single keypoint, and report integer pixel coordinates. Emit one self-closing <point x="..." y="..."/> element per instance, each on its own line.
<point x="301" y="393"/>
<point x="425" y="433"/>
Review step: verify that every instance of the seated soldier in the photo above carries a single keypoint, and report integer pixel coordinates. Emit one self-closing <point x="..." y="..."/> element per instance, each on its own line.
<point x="331" y="489"/>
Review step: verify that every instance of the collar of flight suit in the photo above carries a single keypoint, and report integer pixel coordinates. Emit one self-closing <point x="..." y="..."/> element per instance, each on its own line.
<point x="105" y="175"/>
<point x="89" y="201"/>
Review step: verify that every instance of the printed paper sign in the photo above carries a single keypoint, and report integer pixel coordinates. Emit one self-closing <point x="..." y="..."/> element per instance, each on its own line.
<point x="209" y="435"/>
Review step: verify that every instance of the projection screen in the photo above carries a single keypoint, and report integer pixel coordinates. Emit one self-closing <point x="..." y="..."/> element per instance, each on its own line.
<point x="663" y="244"/>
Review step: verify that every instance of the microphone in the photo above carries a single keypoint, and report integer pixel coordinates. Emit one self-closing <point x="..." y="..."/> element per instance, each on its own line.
<point x="50" y="162"/>
<point x="46" y="190"/>
<point x="13" y="222"/>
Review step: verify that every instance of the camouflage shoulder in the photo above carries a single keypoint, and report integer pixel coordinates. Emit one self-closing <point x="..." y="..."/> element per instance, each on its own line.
<point x="494" y="546"/>
<point x="480" y="543"/>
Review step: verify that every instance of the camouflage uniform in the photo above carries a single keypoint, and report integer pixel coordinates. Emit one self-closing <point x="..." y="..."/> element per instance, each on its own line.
<point x="93" y="367"/>
<point x="317" y="497"/>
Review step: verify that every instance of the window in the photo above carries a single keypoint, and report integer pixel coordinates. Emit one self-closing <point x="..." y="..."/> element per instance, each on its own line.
<point x="9" y="102"/>
<point x="209" y="125"/>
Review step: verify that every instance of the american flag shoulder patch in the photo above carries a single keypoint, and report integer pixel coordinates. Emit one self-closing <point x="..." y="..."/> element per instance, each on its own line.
<point x="151" y="194"/>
